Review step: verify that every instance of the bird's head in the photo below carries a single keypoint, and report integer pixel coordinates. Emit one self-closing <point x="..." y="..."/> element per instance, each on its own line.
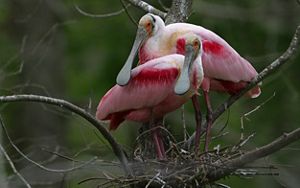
<point x="148" y="26"/>
<point x="193" y="45"/>
<point x="193" y="49"/>
<point x="151" y="24"/>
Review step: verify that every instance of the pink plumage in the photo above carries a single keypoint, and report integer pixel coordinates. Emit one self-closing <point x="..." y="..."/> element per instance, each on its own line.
<point x="224" y="69"/>
<point x="150" y="92"/>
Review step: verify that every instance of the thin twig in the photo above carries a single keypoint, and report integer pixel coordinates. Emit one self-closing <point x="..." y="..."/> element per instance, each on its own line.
<point x="13" y="167"/>
<point x="245" y="116"/>
<point x="183" y="124"/>
<point x="274" y="66"/>
<point x="222" y="185"/>
<point x="39" y="165"/>
<point x="242" y="142"/>
<point x="101" y="15"/>
<point x="128" y="14"/>
<point x="79" y="111"/>
<point x="250" y="156"/>
<point x="12" y="59"/>
<point x="55" y="153"/>
<point x="152" y="179"/>
<point x="225" y="124"/>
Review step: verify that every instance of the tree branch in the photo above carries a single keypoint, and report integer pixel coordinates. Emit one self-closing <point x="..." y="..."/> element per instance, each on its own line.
<point x="37" y="164"/>
<point x="215" y="174"/>
<point x="115" y="13"/>
<point x="179" y="11"/>
<point x="274" y="66"/>
<point x="79" y="111"/>
<point x="147" y="7"/>
<point x="199" y="173"/>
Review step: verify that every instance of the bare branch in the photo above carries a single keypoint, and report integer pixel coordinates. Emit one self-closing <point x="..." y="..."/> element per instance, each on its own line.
<point x="147" y="7"/>
<point x="127" y="12"/>
<point x="101" y="15"/>
<point x="232" y="165"/>
<point x="39" y="165"/>
<point x="274" y="66"/>
<point x="79" y="111"/>
<point x="13" y="167"/>
<point x="210" y="168"/>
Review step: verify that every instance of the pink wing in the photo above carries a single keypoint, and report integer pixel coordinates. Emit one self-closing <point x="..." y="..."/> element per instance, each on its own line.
<point x="224" y="63"/>
<point x="220" y="61"/>
<point x="226" y="68"/>
<point x="151" y="83"/>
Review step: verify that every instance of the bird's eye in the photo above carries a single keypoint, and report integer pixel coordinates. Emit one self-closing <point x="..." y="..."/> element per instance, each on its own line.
<point x="148" y="24"/>
<point x="196" y="43"/>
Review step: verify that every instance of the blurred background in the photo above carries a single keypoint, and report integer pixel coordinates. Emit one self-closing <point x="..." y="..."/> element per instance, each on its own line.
<point x="47" y="47"/>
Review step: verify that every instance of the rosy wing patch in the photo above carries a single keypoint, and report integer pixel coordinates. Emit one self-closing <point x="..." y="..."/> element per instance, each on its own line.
<point x="212" y="47"/>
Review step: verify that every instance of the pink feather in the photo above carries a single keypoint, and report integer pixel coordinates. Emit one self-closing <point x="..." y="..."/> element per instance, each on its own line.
<point x="149" y="94"/>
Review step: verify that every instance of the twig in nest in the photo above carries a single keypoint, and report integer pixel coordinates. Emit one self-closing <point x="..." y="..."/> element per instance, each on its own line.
<point x="221" y="185"/>
<point x="233" y="164"/>
<point x="152" y="179"/>
<point x="242" y="142"/>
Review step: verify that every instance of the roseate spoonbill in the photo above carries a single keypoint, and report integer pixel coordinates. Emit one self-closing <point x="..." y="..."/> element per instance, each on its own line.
<point x="150" y="93"/>
<point x="224" y="69"/>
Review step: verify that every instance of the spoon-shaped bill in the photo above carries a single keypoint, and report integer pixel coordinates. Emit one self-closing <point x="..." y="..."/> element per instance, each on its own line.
<point x="183" y="83"/>
<point x="124" y="75"/>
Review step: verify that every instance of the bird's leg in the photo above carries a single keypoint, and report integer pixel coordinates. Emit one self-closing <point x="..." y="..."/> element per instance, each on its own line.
<point x="161" y="143"/>
<point x="209" y="120"/>
<point x="156" y="139"/>
<point x="144" y="143"/>
<point x="198" y="118"/>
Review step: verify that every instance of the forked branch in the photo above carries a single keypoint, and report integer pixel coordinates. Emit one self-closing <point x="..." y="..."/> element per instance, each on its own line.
<point x="250" y="156"/>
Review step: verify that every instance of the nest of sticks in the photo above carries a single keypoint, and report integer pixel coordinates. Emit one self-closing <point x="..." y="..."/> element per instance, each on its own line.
<point x="183" y="167"/>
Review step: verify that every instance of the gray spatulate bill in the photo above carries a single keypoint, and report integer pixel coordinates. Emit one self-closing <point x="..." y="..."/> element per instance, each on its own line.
<point x="125" y="73"/>
<point x="183" y="83"/>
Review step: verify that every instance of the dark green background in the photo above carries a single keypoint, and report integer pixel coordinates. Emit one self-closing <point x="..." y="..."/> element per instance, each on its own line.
<point x="74" y="57"/>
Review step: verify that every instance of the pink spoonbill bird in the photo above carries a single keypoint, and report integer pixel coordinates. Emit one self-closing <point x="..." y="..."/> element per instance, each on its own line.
<point x="150" y="93"/>
<point x="224" y="69"/>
